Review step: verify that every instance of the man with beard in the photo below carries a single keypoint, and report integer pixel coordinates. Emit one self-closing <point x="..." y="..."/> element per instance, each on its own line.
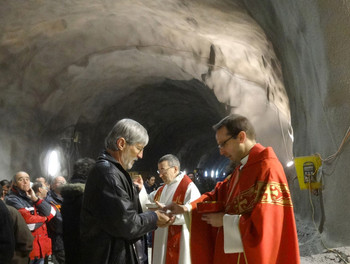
<point x="113" y="226"/>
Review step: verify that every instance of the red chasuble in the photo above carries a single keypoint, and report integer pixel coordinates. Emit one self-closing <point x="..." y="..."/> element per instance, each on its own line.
<point x="260" y="194"/>
<point x="174" y="231"/>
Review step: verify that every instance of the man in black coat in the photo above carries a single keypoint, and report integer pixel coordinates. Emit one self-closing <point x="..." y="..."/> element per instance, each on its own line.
<point x="113" y="226"/>
<point x="72" y="194"/>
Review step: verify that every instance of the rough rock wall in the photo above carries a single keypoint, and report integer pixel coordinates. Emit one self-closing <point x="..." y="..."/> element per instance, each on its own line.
<point x="72" y="62"/>
<point x="69" y="63"/>
<point x="311" y="39"/>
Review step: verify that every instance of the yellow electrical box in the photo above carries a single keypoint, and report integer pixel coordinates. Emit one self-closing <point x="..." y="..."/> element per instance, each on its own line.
<point x="307" y="168"/>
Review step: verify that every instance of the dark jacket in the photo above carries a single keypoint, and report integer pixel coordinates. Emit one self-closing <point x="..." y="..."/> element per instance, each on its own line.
<point x="35" y="215"/>
<point x="150" y="188"/>
<point x="112" y="222"/>
<point x="54" y="227"/>
<point x="72" y="201"/>
<point x="23" y="237"/>
<point x="7" y="238"/>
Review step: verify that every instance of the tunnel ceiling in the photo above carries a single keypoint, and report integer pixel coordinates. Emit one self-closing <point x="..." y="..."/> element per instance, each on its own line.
<point x="173" y="118"/>
<point x="70" y="69"/>
<point x="175" y="66"/>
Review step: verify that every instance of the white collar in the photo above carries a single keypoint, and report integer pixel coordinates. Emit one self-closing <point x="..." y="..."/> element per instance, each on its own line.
<point x="244" y="161"/>
<point x="177" y="178"/>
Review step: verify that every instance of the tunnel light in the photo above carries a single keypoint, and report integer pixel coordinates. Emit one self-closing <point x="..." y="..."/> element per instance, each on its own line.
<point x="290" y="163"/>
<point x="212" y="173"/>
<point x="216" y="173"/>
<point x="205" y="174"/>
<point x="53" y="166"/>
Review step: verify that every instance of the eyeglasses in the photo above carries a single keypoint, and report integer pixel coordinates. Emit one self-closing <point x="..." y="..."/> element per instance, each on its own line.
<point x="220" y="146"/>
<point x="138" y="147"/>
<point x="162" y="171"/>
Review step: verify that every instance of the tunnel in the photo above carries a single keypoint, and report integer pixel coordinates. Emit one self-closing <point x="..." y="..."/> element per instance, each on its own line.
<point x="70" y="70"/>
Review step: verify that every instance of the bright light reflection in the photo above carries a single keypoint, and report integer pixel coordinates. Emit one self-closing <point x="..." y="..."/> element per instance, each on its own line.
<point x="205" y="174"/>
<point x="291" y="134"/>
<point x="54" y="163"/>
<point x="290" y="163"/>
<point x="212" y="174"/>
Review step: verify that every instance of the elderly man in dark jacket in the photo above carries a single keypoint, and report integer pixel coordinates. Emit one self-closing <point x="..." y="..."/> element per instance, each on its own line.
<point x="113" y="226"/>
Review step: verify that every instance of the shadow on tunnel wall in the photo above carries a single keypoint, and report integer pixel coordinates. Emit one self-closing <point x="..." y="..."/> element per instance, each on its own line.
<point x="178" y="115"/>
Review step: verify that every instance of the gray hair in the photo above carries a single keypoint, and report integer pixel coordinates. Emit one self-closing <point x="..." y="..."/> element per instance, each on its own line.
<point x="171" y="159"/>
<point x="132" y="131"/>
<point x="36" y="186"/>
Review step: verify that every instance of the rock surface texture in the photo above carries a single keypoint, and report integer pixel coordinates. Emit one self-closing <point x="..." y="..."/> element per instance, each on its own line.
<point x="71" y="69"/>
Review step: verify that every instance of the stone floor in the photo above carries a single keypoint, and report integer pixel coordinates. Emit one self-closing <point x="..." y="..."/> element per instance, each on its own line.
<point x="337" y="255"/>
<point x="343" y="257"/>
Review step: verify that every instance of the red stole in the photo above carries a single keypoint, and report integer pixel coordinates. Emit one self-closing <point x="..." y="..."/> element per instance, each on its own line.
<point x="174" y="231"/>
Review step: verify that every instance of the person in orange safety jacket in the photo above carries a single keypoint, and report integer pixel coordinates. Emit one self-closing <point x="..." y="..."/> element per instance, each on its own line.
<point x="36" y="212"/>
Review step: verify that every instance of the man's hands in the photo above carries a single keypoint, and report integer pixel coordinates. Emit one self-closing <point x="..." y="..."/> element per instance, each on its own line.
<point x="31" y="194"/>
<point x="175" y="208"/>
<point x="164" y="219"/>
<point x="215" y="219"/>
<point x="138" y="181"/>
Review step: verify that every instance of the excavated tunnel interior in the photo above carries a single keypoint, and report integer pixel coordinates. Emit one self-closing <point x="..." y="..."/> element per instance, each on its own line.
<point x="70" y="70"/>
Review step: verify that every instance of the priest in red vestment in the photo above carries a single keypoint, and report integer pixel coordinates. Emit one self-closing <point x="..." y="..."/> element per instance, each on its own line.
<point x="256" y="223"/>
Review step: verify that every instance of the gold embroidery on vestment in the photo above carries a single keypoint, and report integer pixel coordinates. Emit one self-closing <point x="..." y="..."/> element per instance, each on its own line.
<point x="277" y="193"/>
<point x="266" y="193"/>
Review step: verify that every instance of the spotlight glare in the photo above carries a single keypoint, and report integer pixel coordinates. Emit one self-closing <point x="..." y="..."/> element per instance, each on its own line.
<point x="290" y="163"/>
<point x="53" y="163"/>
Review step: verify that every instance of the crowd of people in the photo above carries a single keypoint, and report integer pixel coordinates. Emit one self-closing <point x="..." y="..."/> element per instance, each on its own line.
<point x="104" y="215"/>
<point x="40" y="214"/>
